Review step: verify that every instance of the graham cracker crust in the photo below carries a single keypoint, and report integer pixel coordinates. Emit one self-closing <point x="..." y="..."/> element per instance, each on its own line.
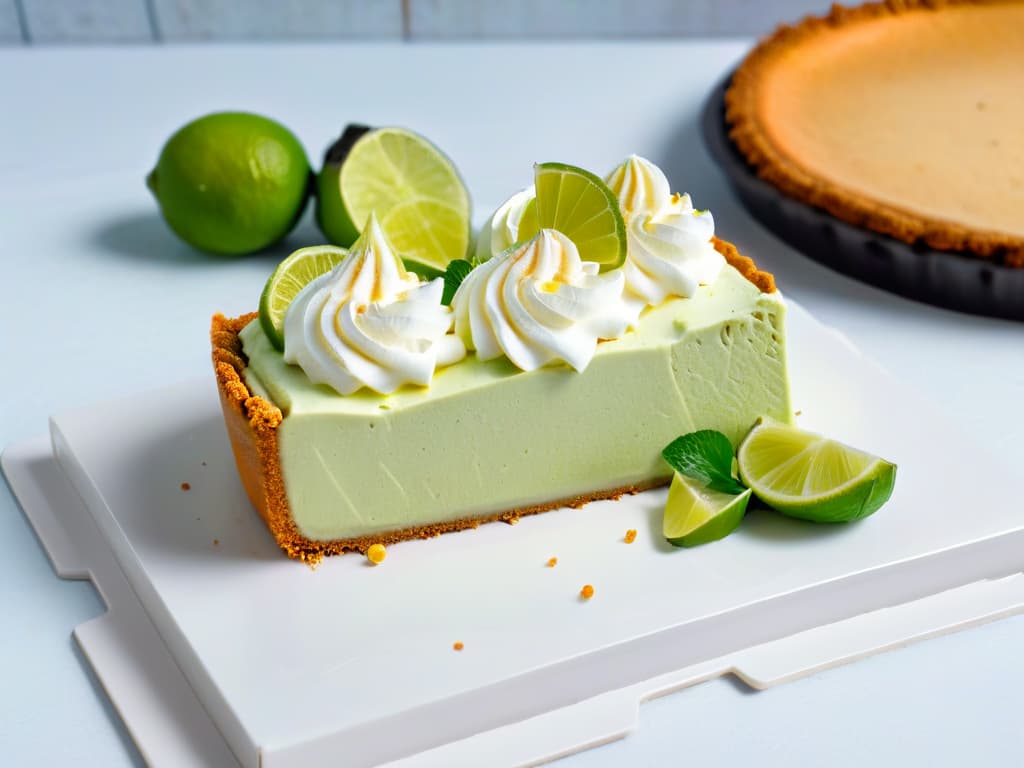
<point x="252" y="425"/>
<point x="752" y="138"/>
<point x="764" y="281"/>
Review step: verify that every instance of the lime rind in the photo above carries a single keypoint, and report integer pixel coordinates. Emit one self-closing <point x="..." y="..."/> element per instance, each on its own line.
<point x="288" y="279"/>
<point x="331" y="216"/>
<point x="581" y="206"/>
<point x="807" y="476"/>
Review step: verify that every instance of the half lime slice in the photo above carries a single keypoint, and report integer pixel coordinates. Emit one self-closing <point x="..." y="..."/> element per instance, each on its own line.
<point x="695" y="514"/>
<point x="291" y="276"/>
<point x="805" y="475"/>
<point x="414" y="189"/>
<point x="582" y="207"/>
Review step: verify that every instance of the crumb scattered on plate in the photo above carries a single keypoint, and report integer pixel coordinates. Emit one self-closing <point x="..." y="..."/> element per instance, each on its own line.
<point x="185" y="486"/>
<point x="552" y="562"/>
<point x="630" y="536"/>
<point x="458" y="646"/>
<point x="587" y="592"/>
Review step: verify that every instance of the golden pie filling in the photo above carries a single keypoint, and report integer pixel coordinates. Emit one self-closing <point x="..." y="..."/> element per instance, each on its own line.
<point x="908" y="122"/>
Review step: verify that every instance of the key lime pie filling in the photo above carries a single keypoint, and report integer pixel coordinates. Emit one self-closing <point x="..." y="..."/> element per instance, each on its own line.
<point x="549" y="381"/>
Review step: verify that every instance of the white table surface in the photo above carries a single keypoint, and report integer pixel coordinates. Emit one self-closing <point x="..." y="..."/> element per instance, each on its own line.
<point x="99" y="299"/>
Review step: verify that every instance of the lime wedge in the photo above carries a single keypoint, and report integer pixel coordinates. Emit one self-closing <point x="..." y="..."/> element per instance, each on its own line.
<point x="695" y="514"/>
<point x="415" y="191"/>
<point x="290" y="277"/>
<point x="805" y="475"/>
<point x="580" y="206"/>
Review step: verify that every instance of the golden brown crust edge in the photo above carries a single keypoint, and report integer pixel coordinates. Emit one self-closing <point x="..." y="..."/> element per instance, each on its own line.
<point x="765" y="281"/>
<point x="774" y="166"/>
<point x="252" y="425"/>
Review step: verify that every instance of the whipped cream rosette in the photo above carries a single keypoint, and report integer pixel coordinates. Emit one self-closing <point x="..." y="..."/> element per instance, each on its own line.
<point x="502" y="230"/>
<point x="537" y="303"/>
<point x="669" y="250"/>
<point x="370" y="323"/>
<point x="670" y="253"/>
<point x="640" y="185"/>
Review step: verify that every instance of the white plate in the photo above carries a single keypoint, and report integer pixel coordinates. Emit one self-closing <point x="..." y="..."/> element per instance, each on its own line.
<point x="299" y="667"/>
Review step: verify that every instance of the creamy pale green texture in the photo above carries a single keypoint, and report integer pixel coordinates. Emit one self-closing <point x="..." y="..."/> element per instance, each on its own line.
<point x="487" y="437"/>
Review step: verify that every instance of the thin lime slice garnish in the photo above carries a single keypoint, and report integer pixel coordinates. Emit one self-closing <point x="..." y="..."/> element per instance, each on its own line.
<point x="805" y="475"/>
<point x="582" y="207"/>
<point x="414" y="189"/>
<point x="290" y="277"/>
<point x="695" y="514"/>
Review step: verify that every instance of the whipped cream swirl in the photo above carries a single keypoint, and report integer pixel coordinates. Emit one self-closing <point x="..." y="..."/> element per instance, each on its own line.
<point x="669" y="250"/>
<point x="502" y="230"/>
<point x="640" y="185"/>
<point x="370" y="323"/>
<point x="540" y="303"/>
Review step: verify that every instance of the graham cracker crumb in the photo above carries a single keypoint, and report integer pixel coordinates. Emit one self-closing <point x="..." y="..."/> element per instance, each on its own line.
<point x="457" y="645"/>
<point x="630" y="536"/>
<point x="552" y="562"/>
<point x="185" y="486"/>
<point x="587" y="592"/>
<point x="216" y="542"/>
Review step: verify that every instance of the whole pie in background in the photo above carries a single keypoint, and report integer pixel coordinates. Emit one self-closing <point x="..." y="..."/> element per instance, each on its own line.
<point x="904" y="118"/>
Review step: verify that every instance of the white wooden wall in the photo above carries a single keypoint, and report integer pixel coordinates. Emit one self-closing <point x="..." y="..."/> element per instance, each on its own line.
<point x="38" y="22"/>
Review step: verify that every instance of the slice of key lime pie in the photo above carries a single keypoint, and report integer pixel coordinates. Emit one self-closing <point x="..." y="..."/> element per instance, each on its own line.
<point x="600" y="320"/>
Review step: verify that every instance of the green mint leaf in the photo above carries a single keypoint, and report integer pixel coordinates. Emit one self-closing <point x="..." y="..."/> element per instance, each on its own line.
<point x="453" y="277"/>
<point x="705" y="456"/>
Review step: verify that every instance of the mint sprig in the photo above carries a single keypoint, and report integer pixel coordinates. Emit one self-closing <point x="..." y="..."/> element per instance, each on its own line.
<point x="453" y="277"/>
<point x="706" y="456"/>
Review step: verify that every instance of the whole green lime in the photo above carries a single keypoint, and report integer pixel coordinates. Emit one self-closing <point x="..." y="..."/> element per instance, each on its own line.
<point x="231" y="182"/>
